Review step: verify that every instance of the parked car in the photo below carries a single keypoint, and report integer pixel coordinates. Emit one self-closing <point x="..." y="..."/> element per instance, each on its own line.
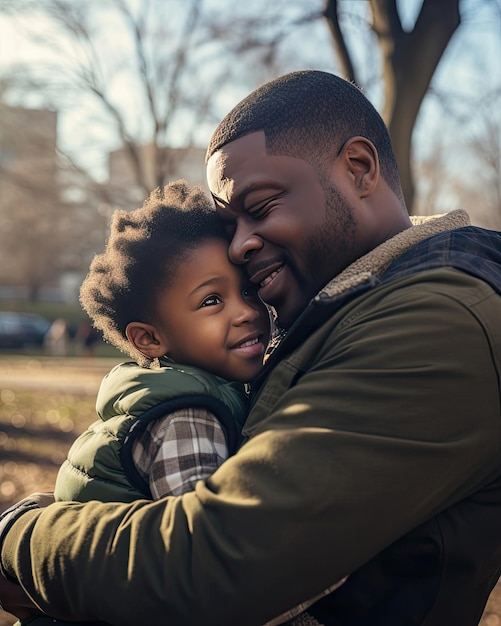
<point x="35" y="328"/>
<point x="22" y="329"/>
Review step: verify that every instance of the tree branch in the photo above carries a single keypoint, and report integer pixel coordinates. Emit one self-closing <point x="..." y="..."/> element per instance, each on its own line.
<point x="347" y="67"/>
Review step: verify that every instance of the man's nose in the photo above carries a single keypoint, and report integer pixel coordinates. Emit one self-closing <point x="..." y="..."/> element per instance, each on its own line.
<point x="243" y="244"/>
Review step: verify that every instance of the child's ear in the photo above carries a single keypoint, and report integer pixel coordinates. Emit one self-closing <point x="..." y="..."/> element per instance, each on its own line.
<point x="146" y="339"/>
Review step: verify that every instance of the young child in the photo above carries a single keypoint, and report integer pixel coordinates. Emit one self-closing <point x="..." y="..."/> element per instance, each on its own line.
<point x="165" y="292"/>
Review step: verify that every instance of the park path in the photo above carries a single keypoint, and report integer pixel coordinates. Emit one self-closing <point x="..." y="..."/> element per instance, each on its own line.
<point x="72" y="374"/>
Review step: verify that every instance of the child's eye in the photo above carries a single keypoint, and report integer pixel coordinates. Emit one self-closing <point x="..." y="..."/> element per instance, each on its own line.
<point x="211" y="301"/>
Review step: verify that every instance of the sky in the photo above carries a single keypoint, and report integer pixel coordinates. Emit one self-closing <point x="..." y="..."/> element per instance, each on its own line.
<point x="470" y="69"/>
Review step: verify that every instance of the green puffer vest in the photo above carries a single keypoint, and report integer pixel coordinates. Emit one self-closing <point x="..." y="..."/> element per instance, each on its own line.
<point x="99" y="464"/>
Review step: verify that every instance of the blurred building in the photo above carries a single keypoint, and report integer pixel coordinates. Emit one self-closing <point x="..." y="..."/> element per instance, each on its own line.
<point x="28" y="187"/>
<point x="171" y="163"/>
<point x="54" y="218"/>
<point x="28" y="139"/>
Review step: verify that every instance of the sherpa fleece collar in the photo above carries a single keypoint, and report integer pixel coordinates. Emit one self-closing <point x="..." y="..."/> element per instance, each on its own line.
<point x="375" y="262"/>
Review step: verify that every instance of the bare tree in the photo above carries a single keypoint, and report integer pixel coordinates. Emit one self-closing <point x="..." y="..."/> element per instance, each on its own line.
<point x="148" y="81"/>
<point x="462" y="163"/>
<point x="374" y="48"/>
<point x="482" y="148"/>
<point x="146" y="75"/>
<point x="408" y="61"/>
<point x="146" y="72"/>
<point x="388" y="50"/>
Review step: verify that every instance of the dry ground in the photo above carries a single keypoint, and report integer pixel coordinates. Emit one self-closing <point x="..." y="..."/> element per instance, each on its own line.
<point x="44" y="404"/>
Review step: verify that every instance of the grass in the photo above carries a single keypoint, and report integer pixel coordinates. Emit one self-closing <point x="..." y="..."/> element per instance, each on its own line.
<point x="37" y="428"/>
<point x="44" y="404"/>
<point x="39" y="423"/>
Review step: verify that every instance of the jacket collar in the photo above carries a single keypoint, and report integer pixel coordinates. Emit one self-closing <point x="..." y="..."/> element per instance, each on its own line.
<point x="375" y="262"/>
<point x="361" y="275"/>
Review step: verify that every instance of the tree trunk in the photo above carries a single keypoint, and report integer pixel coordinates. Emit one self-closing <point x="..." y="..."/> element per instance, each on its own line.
<point x="409" y="60"/>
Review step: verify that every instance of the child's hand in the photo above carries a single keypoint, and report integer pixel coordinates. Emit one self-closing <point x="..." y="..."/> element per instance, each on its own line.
<point x="42" y="499"/>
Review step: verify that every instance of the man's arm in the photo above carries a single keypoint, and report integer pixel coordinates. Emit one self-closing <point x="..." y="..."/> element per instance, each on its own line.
<point x="396" y="419"/>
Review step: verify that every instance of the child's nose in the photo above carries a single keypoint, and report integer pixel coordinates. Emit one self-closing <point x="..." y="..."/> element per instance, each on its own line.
<point x="246" y="313"/>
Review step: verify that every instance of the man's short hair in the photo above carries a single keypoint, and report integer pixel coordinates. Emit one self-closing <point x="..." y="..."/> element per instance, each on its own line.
<point x="309" y="114"/>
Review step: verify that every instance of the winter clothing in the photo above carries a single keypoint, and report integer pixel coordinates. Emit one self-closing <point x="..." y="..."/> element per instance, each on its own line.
<point x="373" y="449"/>
<point x="100" y="465"/>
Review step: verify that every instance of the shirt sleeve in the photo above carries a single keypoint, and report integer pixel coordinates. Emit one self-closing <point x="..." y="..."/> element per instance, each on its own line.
<point x="178" y="450"/>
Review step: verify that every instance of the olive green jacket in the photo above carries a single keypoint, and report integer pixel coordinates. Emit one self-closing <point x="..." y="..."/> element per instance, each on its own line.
<point x="373" y="449"/>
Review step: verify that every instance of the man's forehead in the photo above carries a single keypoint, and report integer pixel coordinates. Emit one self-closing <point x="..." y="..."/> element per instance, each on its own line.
<point x="216" y="168"/>
<point x="217" y="163"/>
<point x="223" y="192"/>
<point x="229" y="159"/>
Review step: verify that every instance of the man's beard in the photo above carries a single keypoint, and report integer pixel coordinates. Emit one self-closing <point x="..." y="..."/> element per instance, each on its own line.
<point x="334" y="243"/>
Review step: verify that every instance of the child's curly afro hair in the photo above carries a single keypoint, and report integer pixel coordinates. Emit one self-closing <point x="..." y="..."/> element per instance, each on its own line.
<point x="142" y="254"/>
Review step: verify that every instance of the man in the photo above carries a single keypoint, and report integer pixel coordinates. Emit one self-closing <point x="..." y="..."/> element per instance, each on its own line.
<point x="374" y="439"/>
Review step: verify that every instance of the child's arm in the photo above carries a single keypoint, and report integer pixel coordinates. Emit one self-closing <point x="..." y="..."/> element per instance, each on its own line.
<point x="176" y="451"/>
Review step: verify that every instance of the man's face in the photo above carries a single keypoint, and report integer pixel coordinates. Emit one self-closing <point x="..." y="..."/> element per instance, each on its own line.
<point x="292" y="232"/>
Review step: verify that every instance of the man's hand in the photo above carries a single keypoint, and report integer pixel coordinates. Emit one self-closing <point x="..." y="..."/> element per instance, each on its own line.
<point x="14" y="600"/>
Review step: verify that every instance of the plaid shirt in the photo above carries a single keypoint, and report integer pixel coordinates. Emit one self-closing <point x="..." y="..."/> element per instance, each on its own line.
<point x="179" y="449"/>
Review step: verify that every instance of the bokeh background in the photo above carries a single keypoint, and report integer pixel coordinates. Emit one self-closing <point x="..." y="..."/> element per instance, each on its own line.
<point x="103" y="100"/>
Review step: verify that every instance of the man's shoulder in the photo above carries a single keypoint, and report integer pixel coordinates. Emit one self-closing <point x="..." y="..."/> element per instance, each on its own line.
<point x="473" y="250"/>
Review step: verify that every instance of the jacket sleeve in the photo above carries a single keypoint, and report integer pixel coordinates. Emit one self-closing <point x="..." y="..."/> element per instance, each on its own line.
<point x="395" y="418"/>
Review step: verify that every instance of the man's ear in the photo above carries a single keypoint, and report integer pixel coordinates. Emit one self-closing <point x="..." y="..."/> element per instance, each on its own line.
<point x="361" y="159"/>
<point x="146" y="339"/>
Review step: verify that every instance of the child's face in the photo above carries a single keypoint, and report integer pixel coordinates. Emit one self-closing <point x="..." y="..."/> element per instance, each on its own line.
<point x="211" y="316"/>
